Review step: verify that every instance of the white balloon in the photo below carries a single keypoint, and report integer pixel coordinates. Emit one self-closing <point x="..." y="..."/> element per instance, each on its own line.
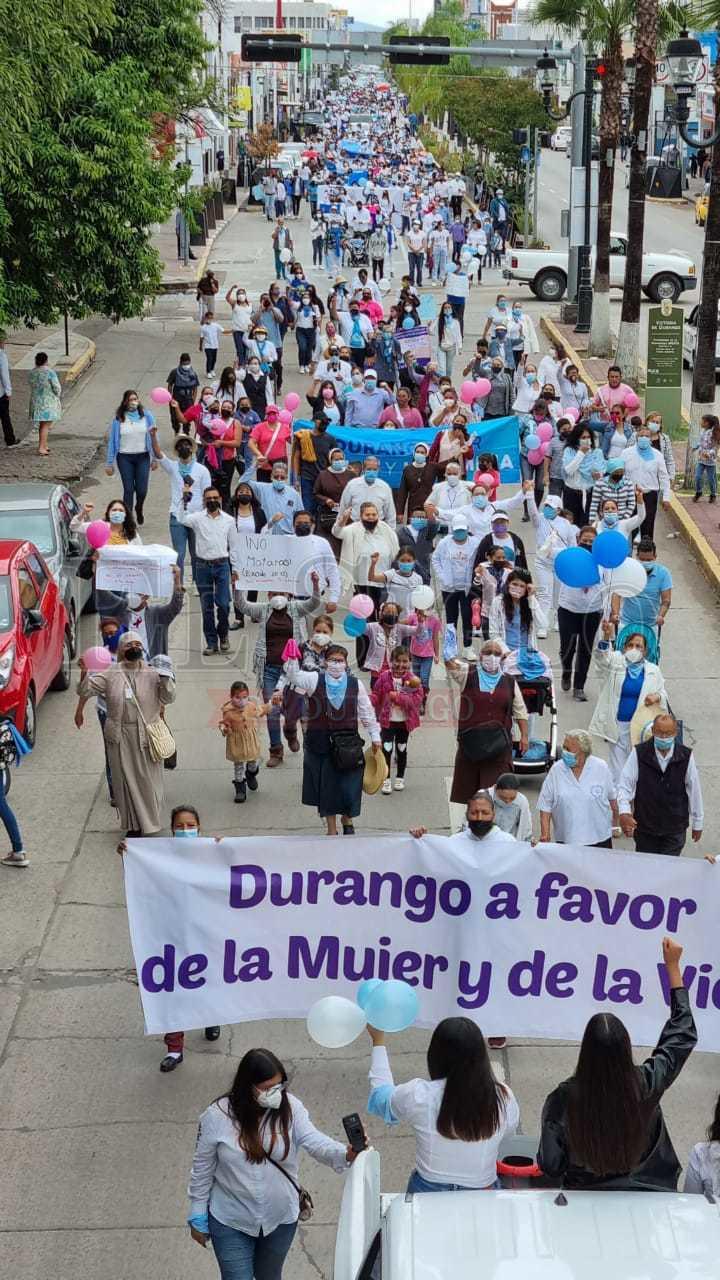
<point x="422" y="598"/>
<point x="285" y="255"/>
<point x="334" y="1022"/>
<point x="629" y="579"/>
<point x="384" y="285"/>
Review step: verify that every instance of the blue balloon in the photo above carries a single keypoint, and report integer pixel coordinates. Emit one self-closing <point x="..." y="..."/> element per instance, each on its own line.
<point x="575" y="567"/>
<point x="532" y="442"/>
<point x="354" y="626"/>
<point x="610" y="549"/>
<point x="393" y="1006"/>
<point x="366" y="989"/>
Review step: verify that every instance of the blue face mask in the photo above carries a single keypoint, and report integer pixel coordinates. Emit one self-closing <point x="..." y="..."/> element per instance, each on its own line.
<point x="549" y="513"/>
<point x="406" y="566"/>
<point x="186" y="833"/>
<point x="644" y="444"/>
<point x="664" y="744"/>
<point x="279" y="485"/>
<point x="371" y="476"/>
<point x="337" y="464"/>
<point x="460" y="535"/>
<point x="480" y="501"/>
<point x="570" y="759"/>
<point x="530" y="378"/>
<point x="418" y="523"/>
<point x="419" y="459"/>
<point x="610" y="519"/>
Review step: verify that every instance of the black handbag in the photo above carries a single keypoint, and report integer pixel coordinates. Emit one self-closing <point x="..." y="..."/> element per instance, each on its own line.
<point x="86" y="567"/>
<point x="347" y="750"/>
<point x="484" y="742"/>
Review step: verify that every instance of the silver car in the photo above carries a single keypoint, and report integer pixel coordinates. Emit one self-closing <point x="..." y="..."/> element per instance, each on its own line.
<point x="41" y="513"/>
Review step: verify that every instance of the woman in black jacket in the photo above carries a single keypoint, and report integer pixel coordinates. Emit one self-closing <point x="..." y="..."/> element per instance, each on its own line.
<point x="249" y="518"/>
<point x="603" y="1129"/>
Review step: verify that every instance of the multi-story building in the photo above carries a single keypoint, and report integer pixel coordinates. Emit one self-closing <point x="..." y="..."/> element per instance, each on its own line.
<point x="282" y="90"/>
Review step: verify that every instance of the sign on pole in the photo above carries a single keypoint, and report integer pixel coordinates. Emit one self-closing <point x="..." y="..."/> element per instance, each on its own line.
<point x="665" y="363"/>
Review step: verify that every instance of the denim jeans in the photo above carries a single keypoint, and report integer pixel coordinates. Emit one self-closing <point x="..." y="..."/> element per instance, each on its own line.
<point x="445" y="362"/>
<point x="439" y="270"/>
<point x="243" y="1257"/>
<point x="306" y="345"/>
<point x="213" y="583"/>
<point x="182" y="539"/>
<point x="706" y="471"/>
<point x="292" y="704"/>
<point x="309" y="500"/>
<point x="415" y="267"/>
<point x="422" y="667"/>
<point x="418" y="1183"/>
<point x="279" y="266"/>
<point x="134" y="471"/>
<point x="240" y="348"/>
<point x="8" y="817"/>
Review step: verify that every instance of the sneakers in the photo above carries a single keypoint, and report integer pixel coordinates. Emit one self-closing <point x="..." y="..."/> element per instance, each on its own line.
<point x="386" y="787"/>
<point x="580" y="695"/>
<point x="19" y="859"/>
<point x="225" y="645"/>
<point x="170" y="1062"/>
<point x="210" y="651"/>
<point x="399" y="784"/>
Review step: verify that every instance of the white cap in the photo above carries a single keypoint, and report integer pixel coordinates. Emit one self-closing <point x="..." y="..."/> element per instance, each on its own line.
<point x="499" y="513"/>
<point x="163" y="664"/>
<point x="552" y="500"/>
<point x="460" y="521"/>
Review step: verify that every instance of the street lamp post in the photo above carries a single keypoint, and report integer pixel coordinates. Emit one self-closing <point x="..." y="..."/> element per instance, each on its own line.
<point x="684" y="57"/>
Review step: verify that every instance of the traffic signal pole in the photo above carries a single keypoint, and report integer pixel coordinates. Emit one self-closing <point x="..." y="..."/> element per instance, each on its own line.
<point x="259" y="48"/>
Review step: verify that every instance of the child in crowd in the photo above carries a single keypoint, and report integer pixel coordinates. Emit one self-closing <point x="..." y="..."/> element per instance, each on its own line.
<point x="512" y="810"/>
<point x="397" y="698"/>
<point x="313" y="650"/>
<point x="424" y="647"/>
<point x="487" y="465"/>
<point x="238" y="725"/>
<point x="383" y="637"/>
<point x="400" y="580"/>
<point x="703" y="1171"/>
<point x="488" y="580"/>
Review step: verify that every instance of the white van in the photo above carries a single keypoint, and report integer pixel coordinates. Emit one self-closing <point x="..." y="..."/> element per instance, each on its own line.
<point x="523" y="1235"/>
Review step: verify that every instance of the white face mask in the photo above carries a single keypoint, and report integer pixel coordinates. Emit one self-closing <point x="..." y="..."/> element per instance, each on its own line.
<point x="270" y="1099"/>
<point x="634" y="654"/>
<point x="490" y="662"/>
<point x="336" y="668"/>
<point x="278" y="602"/>
<point x="517" y="592"/>
<point x="321" y="638"/>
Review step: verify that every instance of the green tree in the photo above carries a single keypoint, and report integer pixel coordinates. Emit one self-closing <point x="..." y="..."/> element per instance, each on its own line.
<point x="427" y="87"/>
<point x="488" y="107"/>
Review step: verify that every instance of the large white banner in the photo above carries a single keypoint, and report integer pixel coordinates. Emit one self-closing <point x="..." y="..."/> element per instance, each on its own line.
<point x="272" y="562"/>
<point x="145" y="571"/>
<point x="526" y="941"/>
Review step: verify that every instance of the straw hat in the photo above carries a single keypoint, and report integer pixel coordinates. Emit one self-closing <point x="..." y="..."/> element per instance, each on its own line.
<point x="376" y="771"/>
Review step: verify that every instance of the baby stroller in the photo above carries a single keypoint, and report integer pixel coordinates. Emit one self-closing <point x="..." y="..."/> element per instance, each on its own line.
<point x="539" y="696"/>
<point x="356" y="250"/>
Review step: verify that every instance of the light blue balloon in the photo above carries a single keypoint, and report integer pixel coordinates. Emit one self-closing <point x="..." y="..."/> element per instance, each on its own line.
<point x="366" y="989"/>
<point x="393" y="1006"/>
<point x="353" y="626"/>
<point x="575" y="567"/>
<point x="532" y="442"/>
<point x="610" y="549"/>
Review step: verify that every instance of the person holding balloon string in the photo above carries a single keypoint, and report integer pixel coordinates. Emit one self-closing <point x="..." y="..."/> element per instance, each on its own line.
<point x="116" y="529"/>
<point x="536" y="432"/>
<point x="553" y="534"/>
<point x="608" y="517"/>
<point x="488" y="474"/>
<point x="583" y="464"/>
<point x="646" y="609"/>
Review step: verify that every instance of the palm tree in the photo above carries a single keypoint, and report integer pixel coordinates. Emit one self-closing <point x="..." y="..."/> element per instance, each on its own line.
<point x="603" y="27"/>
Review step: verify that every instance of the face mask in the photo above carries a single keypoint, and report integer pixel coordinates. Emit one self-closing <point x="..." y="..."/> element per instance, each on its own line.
<point x="212" y="504"/>
<point x="207" y="400"/>
<point x="502" y="306"/>
<point x="133" y="406"/>
<point x="517" y="592"/>
<point x="278" y="602"/>
<point x="500" y="530"/>
<point x="586" y="546"/>
<point x="460" y="535"/>
<point x="664" y="744"/>
<point x="254" y="369"/>
<point x="417" y="522"/>
<point x="302" y="530"/>
<point x="480" y="827"/>
<point x="321" y="639"/>
<point x="337" y="464"/>
<point x="184" y="454"/>
<point x="371" y="476"/>
<point x="610" y="519"/>
<point x="270" y="1099"/>
<point x="328" y="393"/>
<point x="516" y="313"/>
<point x="117" y="517"/>
<point x="497" y="368"/>
<point x="480" y="501"/>
<point x="187" y="833"/>
<point x="648" y="565"/>
<point x="406" y="566"/>
<point x="570" y="759"/>
<point x="132" y="654"/>
<point x="389" y="619"/>
<point x="453" y="480"/>
<point x="336" y="668"/>
<point x="530" y="378"/>
<point x="634" y="656"/>
<point x="244" y="499"/>
<point x="490" y="662"/>
<point x="278" y="485"/>
<point x="549" y="513"/>
<point x="447" y="314"/>
<point x="644" y="444"/>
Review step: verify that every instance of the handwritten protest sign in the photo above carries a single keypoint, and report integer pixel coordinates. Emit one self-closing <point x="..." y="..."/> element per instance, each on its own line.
<point x="145" y="571"/>
<point x="272" y="562"/>
<point x="416" y="340"/>
<point x="527" y="941"/>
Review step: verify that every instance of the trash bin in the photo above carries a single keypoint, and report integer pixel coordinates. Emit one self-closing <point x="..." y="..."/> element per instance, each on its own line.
<point x="229" y="190"/>
<point x="219" y="207"/>
<point x="199" y="236"/>
<point x="517" y="1168"/>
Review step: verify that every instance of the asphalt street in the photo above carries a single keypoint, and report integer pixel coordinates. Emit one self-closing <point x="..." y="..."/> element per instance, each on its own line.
<point x="96" y="1143"/>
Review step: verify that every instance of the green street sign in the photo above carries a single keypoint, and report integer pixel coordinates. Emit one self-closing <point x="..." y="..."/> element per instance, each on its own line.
<point x="665" y="363"/>
<point x="305" y="59"/>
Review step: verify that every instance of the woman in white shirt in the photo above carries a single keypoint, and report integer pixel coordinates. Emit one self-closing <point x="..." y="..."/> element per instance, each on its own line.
<point x="526" y="387"/>
<point x="130" y="448"/>
<point x="244" y="1192"/>
<point x="578" y="797"/>
<point x="449" y="340"/>
<point x="703" y="1170"/>
<point x="460" y="1115"/>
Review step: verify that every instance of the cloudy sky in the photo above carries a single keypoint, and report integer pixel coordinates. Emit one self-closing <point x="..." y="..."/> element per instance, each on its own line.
<point x="383" y="11"/>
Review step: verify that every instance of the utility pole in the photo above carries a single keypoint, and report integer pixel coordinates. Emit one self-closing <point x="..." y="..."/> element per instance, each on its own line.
<point x="536" y="175"/>
<point x="526" y="210"/>
<point x="576" y="154"/>
<point x="585" y="291"/>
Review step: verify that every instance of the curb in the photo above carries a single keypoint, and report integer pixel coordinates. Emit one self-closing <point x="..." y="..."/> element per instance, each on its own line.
<point x="707" y="560"/>
<point x="78" y="367"/>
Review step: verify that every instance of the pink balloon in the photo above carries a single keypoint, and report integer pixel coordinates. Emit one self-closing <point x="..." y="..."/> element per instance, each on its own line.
<point x="487" y="480"/>
<point x="535" y="457"/>
<point x="160" y="395"/>
<point x="545" y="431"/>
<point x="97" y="533"/>
<point x="97" y="658"/>
<point x="361" y="606"/>
<point x="292" y="401"/>
<point x="468" y="392"/>
<point x="632" y="401"/>
<point x="482" y="388"/>
<point x="544" y="448"/>
<point x="285" y="417"/>
<point x="572" y="413"/>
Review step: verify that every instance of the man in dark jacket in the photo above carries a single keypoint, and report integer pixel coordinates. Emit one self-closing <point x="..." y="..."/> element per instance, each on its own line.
<point x="659" y="793"/>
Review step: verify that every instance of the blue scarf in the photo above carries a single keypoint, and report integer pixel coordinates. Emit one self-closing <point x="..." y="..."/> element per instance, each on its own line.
<point x="488" y="680"/>
<point x="22" y="747"/>
<point x="336" y="690"/>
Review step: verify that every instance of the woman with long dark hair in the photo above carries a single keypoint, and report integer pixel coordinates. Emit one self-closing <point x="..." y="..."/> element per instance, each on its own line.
<point x="244" y="1192"/>
<point x="516" y="618"/>
<point x="249" y="518"/>
<point x="130" y="447"/>
<point x="460" y="1115"/>
<point x="703" y="1172"/>
<point x="603" y="1128"/>
<point x="227" y="387"/>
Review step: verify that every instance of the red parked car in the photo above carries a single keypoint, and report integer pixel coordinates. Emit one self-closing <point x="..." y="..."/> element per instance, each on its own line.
<point x="35" y="640"/>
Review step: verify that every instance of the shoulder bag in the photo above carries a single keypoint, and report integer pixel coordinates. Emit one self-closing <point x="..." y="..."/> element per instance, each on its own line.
<point x="306" y="1200"/>
<point x="160" y="740"/>
<point x="347" y="750"/>
<point x="484" y="742"/>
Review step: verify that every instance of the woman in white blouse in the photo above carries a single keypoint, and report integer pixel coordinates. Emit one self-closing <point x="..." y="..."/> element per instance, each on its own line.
<point x="578" y="797"/>
<point x="460" y="1115"/>
<point x="244" y="1191"/>
<point x="703" y="1171"/>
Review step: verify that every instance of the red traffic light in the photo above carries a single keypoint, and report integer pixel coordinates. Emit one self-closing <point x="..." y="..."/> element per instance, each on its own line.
<point x="600" y="70"/>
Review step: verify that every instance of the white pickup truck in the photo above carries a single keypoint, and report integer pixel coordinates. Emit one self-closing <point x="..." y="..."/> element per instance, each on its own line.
<point x="522" y="1235"/>
<point x="664" y="275"/>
